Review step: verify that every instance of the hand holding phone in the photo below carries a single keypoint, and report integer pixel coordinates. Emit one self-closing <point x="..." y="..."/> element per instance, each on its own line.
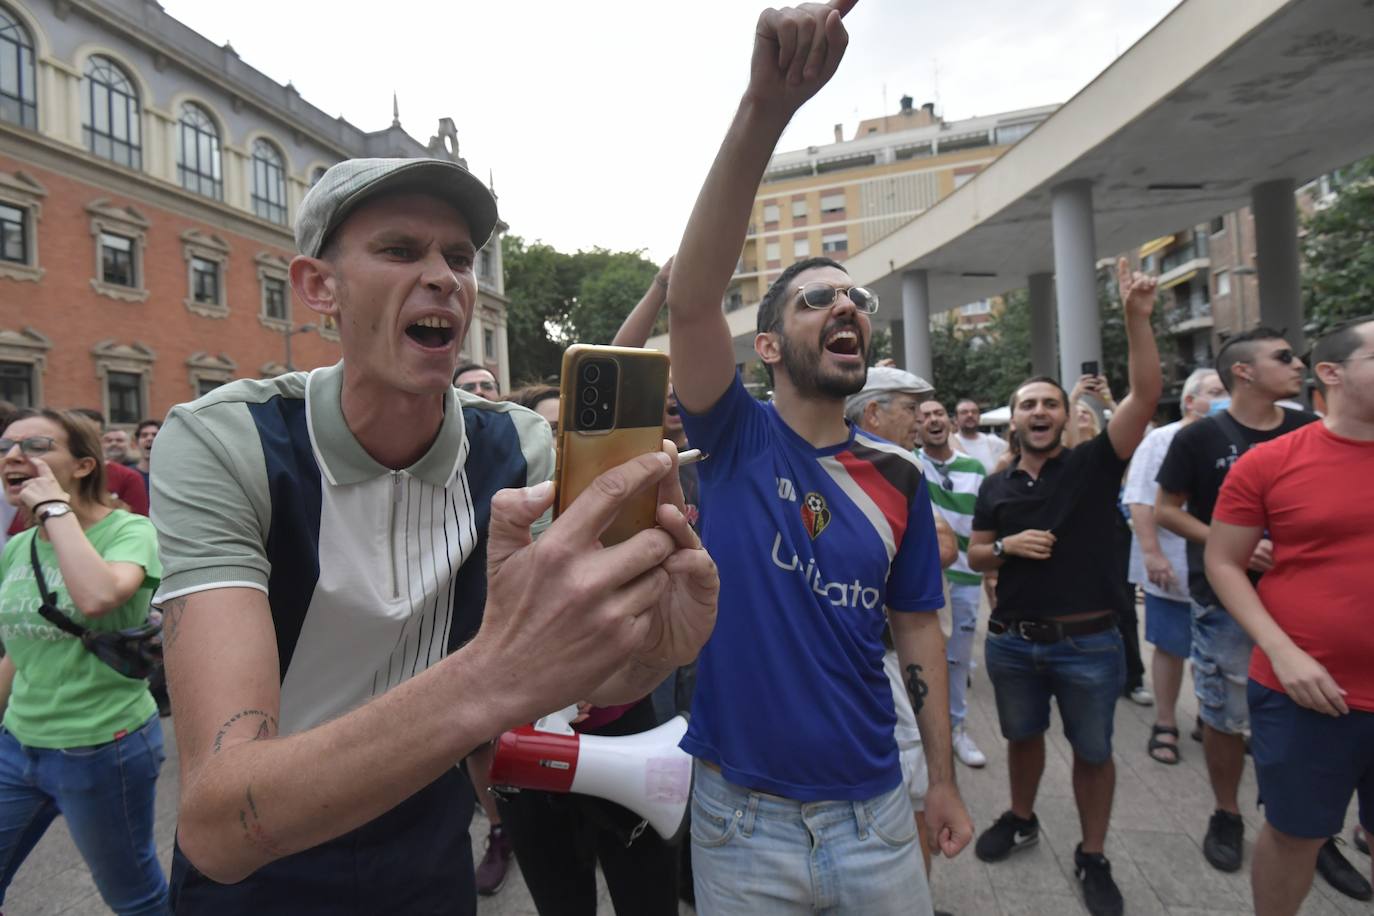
<point x="611" y="411"/>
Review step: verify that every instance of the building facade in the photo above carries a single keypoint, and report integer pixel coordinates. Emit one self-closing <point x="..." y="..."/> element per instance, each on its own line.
<point x="149" y="180"/>
<point x="837" y="199"/>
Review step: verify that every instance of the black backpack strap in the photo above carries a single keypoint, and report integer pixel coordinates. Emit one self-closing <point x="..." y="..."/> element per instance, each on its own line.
<point x="48" y="609"/>
<point x="1230" y="428"/>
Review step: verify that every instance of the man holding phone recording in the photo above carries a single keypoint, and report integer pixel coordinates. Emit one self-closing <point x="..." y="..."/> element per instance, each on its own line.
<point x="329" y="541"/>
<point x="821" y="531"/>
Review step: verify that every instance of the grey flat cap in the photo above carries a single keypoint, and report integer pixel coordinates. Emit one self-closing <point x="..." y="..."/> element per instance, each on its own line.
<point x="884" y="380"/>
<point x="349" y="183"/>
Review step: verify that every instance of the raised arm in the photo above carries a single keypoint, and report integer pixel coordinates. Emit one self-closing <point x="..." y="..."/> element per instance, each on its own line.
<point x="639" y="324"/>
<point x="796" y="51"/>
<point x="1128" y="424"/>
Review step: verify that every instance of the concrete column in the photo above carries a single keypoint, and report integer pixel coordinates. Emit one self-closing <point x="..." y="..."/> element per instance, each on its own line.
<point x="1044" y="333"/>
<point x="1276" y="251"/>
<point x="1075" y="278"/>
<point x="916" y="323"/>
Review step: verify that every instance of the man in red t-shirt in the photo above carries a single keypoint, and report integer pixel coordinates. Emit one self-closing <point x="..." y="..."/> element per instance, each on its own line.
<point x="1311" y="690"/>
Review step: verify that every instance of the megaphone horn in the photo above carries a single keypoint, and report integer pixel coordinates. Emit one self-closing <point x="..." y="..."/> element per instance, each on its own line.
<point x="647" y="773"/>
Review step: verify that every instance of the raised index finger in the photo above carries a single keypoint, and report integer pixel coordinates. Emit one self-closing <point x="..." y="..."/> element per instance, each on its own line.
<point x="595" y="507"/>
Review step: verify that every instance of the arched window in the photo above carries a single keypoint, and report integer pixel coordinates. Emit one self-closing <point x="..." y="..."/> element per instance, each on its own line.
<point x="18" y="98"/>
<point x="110" y="117"/>
<point x="269" y="182"/>
<point x="198" y="156"/>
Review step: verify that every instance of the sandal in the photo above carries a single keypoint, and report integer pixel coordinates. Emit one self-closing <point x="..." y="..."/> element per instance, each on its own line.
<point x="1157" y="744"/>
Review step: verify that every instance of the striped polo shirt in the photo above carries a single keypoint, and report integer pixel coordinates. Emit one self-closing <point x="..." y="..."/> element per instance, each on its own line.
<point x="372" y="574"/>
<point x="953" y="489"/>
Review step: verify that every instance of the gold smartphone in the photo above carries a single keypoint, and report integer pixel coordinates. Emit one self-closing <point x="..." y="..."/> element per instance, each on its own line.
<point x="610" y="410"/>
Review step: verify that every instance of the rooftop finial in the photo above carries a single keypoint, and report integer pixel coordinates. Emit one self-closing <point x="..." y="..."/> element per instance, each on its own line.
<point x="395" y="110"/>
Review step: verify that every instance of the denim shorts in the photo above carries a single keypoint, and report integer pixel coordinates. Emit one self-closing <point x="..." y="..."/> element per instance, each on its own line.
<point x="1309" y="764"/>
<point x="758" y="853"/>
<point x="1221" y="669"/>
<point x="1084" y="674"/>
<point x="1169" y="625"/>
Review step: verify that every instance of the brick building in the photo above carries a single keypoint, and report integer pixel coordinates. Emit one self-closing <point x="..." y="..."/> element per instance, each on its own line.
<point x="148" y="184"/>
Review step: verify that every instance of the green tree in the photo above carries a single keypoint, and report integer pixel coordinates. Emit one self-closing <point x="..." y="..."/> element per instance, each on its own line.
<point x="1338" y="253"/>
<point x="557" y="299"/>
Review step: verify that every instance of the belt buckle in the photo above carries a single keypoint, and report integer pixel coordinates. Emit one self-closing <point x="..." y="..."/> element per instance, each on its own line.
<point x="1032" y="630"/>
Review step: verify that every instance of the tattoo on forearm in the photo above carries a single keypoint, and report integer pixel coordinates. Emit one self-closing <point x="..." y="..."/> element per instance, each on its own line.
<point x="171" y="620"/>
<point x="916" y="688"/>
<point x="267" y="726"/>
<point x="253" y="831"/>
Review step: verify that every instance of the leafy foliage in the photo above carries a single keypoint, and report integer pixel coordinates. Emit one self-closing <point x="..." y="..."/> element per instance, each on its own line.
<point x="558" y="299"/>
<point x="1338" y="253"/>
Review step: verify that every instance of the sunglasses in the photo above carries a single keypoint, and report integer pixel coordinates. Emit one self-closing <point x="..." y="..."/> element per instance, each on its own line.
<point x="1283" y="357"/>
<point x="474" y="387"/>
<point x="819" y="295"/>
<point x="31" y="447"/>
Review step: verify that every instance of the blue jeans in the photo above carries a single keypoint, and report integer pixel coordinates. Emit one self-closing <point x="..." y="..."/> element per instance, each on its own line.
<point x="963" y="606"/>
<point x="106" y="794"/>
<point x="1084" y="674"/>
<point x="758" y="853"/>
<point x="1221" y="669"/>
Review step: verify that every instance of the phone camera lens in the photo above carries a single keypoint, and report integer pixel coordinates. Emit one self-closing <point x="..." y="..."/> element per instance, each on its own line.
<point x="589" y="395"/>
<point x="591" y="373"/>
<point x="588" y="416"/>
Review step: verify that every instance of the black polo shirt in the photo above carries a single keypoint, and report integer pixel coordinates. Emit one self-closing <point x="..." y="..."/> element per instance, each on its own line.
<point x="1073" y="498"/>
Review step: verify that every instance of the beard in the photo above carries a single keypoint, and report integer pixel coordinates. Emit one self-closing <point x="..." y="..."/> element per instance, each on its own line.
<point x="1023" y="433"/>
<point x="803" y="366"/>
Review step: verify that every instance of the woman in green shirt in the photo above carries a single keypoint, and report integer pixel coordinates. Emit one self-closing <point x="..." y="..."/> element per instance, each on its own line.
<point x="78" y="738"/>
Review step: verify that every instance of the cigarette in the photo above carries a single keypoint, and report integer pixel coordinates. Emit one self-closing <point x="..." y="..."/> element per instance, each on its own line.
<point x="691" y="456"/>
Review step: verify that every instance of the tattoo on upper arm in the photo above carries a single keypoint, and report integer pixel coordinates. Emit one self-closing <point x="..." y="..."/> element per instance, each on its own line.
<point x="251" y="821"/>
<point x="916" y="688"/>
<point x="172" y="610"/>
<point x="267" y="726"/>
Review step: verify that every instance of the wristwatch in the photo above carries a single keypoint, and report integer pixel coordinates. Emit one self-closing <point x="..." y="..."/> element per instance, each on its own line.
<point x="52" y="510"/>
<point x="997" y="548"/>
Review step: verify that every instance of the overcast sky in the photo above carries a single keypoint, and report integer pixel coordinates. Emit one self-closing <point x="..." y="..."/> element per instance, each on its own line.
<point x="599" y="120"/>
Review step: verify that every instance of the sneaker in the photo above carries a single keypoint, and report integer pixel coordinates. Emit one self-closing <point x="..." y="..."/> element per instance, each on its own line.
<point x="491" y="871"/>
<point x="1337" y="871"/>
<point x="966" y="750"/>
<point x="1141" y="696"/>
<point x="1222" y="845"/>
<point x="1009" y="834"/>
<point x="1100" y="893"/>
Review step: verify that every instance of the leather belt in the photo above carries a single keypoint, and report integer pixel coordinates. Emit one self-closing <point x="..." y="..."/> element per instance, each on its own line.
<point x="1048" y="631"/>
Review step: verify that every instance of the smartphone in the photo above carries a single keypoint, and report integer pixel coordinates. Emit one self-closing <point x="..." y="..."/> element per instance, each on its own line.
<point x="1091" y="368"/>
<point x="611" y="410"/>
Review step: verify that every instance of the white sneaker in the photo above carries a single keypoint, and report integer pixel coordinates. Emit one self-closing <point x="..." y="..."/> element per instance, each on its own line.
<point x="966" y="750"/>
<point x="1142" y="696"/>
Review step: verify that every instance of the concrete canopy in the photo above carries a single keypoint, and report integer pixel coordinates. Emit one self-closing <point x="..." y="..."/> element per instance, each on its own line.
<point x="1218" y="97"/>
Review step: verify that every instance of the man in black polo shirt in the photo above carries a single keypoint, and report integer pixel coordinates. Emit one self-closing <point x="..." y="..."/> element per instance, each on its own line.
<point x="1045" y="524"/>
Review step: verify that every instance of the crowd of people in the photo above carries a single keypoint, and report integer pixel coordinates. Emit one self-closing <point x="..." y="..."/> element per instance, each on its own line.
<point x="356" y="583"/>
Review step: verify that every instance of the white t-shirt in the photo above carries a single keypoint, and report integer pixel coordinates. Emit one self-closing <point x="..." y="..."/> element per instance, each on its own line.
<point x="986" y="448"/>
<point x="1140" y="490"/>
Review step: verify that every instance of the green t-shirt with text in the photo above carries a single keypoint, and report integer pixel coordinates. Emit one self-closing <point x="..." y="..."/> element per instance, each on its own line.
<point x="63" y="696"/>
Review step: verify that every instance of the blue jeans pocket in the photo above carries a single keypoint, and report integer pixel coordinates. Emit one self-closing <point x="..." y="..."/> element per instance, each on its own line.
<point x="711" y="826"/>
<point x="891" y="818"/>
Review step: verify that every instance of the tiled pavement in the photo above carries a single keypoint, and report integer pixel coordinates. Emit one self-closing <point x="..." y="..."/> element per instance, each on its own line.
<point x="1155" y="843"/>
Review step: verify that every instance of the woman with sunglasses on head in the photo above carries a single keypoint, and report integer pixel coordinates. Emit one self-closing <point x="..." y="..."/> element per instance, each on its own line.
<point x="79" y="739"/>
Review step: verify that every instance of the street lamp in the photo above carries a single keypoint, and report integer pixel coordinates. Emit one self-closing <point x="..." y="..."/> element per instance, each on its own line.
<point x="288" y="332"/>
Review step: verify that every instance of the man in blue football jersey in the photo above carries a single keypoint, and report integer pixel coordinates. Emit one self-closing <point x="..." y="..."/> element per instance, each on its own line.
<point x="823" y="534"/>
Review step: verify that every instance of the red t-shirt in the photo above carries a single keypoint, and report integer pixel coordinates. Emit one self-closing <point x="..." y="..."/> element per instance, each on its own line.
<point x="1313" y="491"/>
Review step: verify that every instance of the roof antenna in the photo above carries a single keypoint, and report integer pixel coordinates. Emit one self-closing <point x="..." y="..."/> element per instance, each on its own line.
<point x="395" y="110"/>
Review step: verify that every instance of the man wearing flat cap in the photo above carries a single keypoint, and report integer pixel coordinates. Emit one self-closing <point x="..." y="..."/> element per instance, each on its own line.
<point x="330" y="539"/>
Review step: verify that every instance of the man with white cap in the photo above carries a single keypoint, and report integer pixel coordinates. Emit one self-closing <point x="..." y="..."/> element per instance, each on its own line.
<point x="330" y="539"/>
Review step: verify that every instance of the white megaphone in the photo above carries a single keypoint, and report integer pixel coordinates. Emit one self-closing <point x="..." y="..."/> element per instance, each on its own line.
<point x="646" y="773"/>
